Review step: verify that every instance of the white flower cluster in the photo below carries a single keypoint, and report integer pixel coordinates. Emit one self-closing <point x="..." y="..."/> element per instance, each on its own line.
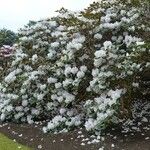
<point x="11" y="77"/>
<point x="101" y="108"/>
<point x="73" y="69"/>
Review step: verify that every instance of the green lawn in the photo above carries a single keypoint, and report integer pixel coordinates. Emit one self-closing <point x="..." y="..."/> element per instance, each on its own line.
<point x="8" y="144"/>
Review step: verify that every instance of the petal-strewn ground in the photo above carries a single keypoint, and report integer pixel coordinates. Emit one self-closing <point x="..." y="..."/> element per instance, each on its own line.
<point x="33" y="137"/>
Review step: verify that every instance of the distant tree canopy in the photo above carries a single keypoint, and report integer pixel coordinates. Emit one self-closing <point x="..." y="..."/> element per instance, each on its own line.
<point x="7" y="37"/>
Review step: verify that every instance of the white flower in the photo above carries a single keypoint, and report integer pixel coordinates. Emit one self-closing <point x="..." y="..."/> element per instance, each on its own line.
<point x="62" y="110"/>
<point x="23" y="91"/>
<point x="135" y="84"/>
<point x="49" y="106"/>
<point x="24" y="38"/>
<point x="35" y="111"/>
<point x="60" y="99"/>
<point x="50" y="126"/>
<point x="29" y="119"/>
<point x="18" y="115"/>
<point x="51" y="54"/>
<point x="3" y="116"/>
<point x="24" y="96"/>
<point x="83" y="57"/>
<point x="95" y="72"/>
<point x="12" y="76"/>
<point x="24" y="103"/>
<point x="129" y="40"/>
<point x="56" y="34"/>
<point x="70" y="113"/>
<point x="34" y="58"/>
<point x="80" y="74"/>
<point x="4" y="90"/>
<point x="42" y="87"/>
<point x="83" y="68"/>
<point x="28" y="68"/>
<point x="68" y="97"/>
<point x="39" y="146"/>
<point x="100" y="53"/>
<point x="56" y="121"/>
<point x="98" y="36"/>
<point x="106" y="18"/>
<point x="140" y="43"/>
<point x="45" y="129"/>
<point x="107" y="44"/>
<point x="61" y="28"/>
<point x="51" y="80"/>
<point x="67" y="70"/>
<point x="67" y="82"/>
<point x="115" y="94"/>
<point x="55" y="44"/>
<point x="122" y="12"/>
<point x="90" y="124"/>
<point x="74" y="70"/>
<point x="53" y="23"/>
<point x="9" y="108"/>
<point x="98" y="62"/>
<point x="19" y="108"/>
<point x="53" y="96"/>
<point x="58" y="85"/>
<point x="113" y="38"/>
<point x="40" y="96"/>
<point x="110" y="25"/>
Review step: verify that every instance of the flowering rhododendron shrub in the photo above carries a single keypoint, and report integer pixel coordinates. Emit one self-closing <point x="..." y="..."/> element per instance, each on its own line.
<point x="79" y="68"/>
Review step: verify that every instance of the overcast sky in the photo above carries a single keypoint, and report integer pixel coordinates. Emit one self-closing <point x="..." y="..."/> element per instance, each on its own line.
<point x="14" y="14"/>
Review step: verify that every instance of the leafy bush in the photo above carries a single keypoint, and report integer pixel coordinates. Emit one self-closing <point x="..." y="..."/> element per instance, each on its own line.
<point x="79" y="68"/>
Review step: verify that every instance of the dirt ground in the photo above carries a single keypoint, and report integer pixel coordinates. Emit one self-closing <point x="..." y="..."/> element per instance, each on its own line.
<point x="33" y="137"/>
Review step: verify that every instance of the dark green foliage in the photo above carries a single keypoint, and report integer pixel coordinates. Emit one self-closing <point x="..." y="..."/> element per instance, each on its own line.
<point x="7" y="37"/>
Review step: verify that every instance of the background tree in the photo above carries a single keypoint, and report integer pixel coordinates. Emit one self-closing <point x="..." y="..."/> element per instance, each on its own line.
<point x="7" y="37"/>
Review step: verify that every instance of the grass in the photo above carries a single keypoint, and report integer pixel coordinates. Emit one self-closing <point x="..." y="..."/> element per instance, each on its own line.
<point x="8" y="144"/>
